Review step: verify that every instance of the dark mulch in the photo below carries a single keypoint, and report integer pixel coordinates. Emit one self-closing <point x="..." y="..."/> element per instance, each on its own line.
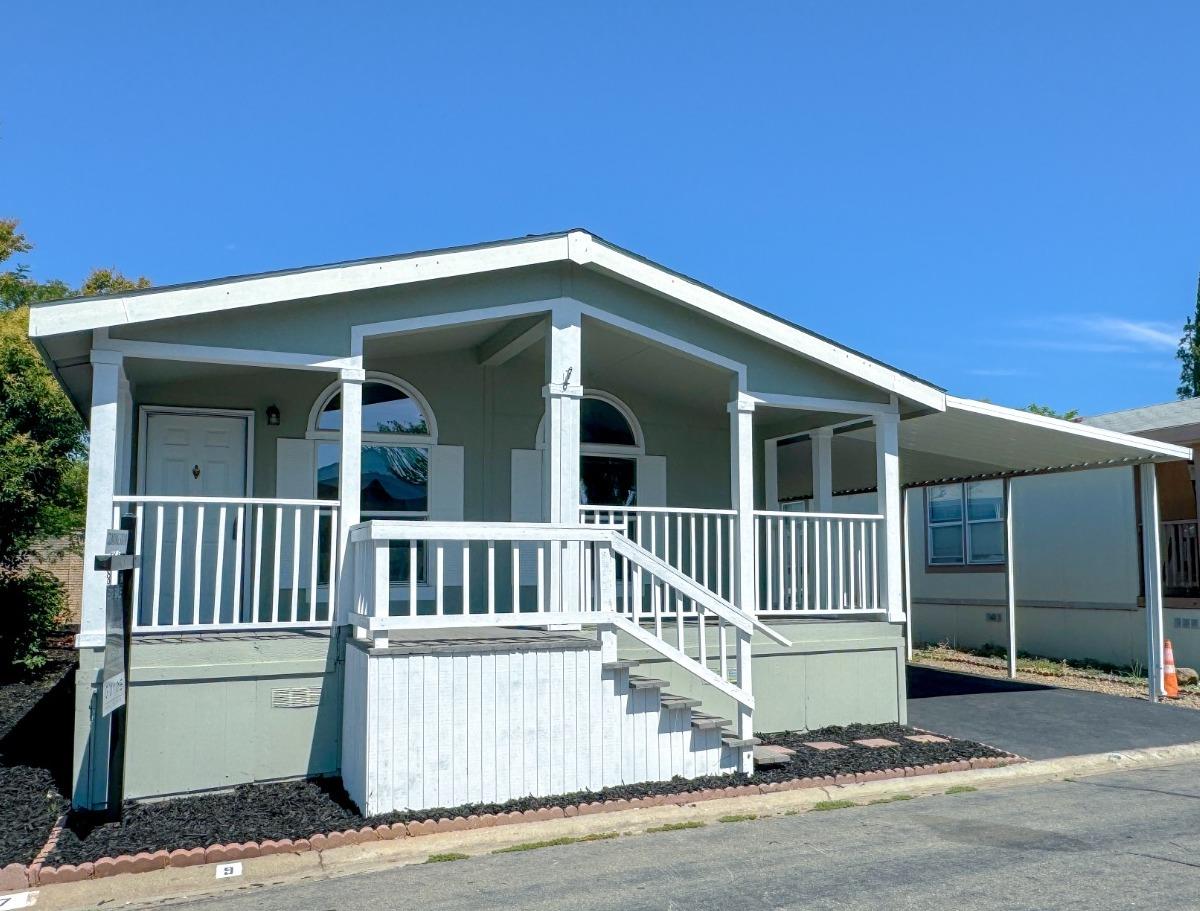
<point x="304" y="808"/>
<point x="35" y="736"/>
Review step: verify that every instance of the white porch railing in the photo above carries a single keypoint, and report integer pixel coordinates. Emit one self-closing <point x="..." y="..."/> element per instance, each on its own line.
<point x="699" y="543"/>
<point x="211" y="563"/>
<point x="477" y="577"/>
<point x="818" y="564"/>
<point x="1181" y="555"/>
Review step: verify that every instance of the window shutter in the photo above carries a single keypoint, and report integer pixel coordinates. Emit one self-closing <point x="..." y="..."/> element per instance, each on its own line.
<point x="446" y="483"/>
<point x="525" y="488"/>
<point x="295" y="479"/>
<point x="652" y="481"/>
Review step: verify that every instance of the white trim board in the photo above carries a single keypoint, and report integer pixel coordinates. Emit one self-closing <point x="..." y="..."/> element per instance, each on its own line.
<point x="579" y="247"/>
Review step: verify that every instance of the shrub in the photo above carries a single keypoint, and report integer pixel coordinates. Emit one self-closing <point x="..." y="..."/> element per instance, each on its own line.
<point x="31" y="610"/>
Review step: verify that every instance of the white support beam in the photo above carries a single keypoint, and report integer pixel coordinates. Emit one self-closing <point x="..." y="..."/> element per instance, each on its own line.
<point x="1010" y="579"/>
<point x="741" y="463"/>
<point x="563" y="392"/>
<point x="1152" y="579"/>
<point x="510" y="341"/>
<point x="240" y="357"/>
<point x="816" y="403"/>
<point x="103" y="447"/>
<point x="887" y="476"/>
<point x="349" y="479"/>
<point x="822" y="469"/>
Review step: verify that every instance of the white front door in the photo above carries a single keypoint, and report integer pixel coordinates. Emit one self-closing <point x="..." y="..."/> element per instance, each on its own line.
<point x="191" y="455"/>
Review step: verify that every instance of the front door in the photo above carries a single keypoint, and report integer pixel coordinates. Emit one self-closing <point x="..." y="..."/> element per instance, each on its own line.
<point x="192" y="454"/>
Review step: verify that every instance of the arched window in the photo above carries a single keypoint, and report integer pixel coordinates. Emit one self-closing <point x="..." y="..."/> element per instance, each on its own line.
<point x="610" y="441"/>
<point x="398" y="429"/>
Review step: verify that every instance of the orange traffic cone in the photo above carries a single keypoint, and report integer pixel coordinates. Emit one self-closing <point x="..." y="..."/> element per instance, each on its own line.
<point x="1170" y="681"/>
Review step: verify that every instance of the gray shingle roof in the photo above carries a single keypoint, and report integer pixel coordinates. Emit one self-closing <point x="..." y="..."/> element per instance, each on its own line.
<point x="1149" y="417"/>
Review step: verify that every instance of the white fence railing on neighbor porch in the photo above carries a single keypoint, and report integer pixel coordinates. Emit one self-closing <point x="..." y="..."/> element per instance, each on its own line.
<point x="818" y="564"/>
<point x="212" y="563"/>
<point x="699" y="543"/>
<point x="503" y="574"/>
<point x="1181" y="555"/>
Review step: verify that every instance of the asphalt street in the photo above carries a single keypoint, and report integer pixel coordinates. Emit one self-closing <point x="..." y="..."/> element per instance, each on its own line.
<point x="1126" y="840"/>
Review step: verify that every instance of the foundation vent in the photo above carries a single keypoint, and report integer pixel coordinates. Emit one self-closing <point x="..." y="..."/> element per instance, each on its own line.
<point x="295" y="697"/>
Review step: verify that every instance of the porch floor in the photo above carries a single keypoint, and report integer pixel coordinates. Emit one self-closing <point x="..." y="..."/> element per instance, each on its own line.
<point x="448" y="641"/>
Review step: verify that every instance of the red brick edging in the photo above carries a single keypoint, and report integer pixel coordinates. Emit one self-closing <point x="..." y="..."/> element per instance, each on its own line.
<point x="15" y="877"/>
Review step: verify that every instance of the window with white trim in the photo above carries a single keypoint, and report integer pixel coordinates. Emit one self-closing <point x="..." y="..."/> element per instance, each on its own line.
<point x="397" y="432"/>
<point x="965" y="524"/>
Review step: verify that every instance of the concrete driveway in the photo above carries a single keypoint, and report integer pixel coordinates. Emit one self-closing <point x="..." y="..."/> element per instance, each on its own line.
<point x="1041" y="722"/>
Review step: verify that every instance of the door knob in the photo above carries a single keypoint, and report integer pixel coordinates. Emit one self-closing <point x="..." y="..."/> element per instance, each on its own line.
<point x="196" y="472"/>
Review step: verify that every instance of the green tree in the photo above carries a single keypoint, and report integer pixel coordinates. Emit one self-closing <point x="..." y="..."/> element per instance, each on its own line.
<point x="1189" y="354"/>
<point x="1048" y="412"/>
<point x="43" y="472"/>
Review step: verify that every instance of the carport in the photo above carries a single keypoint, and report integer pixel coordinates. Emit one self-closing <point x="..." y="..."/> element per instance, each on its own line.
<point x="979" y="441"/>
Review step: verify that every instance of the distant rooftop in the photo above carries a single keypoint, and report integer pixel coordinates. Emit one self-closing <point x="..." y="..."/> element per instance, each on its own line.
<point x="1149" y="417"/>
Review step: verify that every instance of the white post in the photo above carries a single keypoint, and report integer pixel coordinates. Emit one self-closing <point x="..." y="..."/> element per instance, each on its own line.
<point x="349" y="481"/>
<point x="381" y="584"/>
<point x="887" y="479"/>
<point x="1152" y="579"/>
<point x="908" y="608"/>
<point x="103" y="447"/>
<point x="822" y="469"/>
<point x="563" y="392"/>
<point x="741" y="463"/>
<point x="1010" y="579"/>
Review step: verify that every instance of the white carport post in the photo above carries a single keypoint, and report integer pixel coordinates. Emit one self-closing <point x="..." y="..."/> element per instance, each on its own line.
<point x="1152" y="578"/>
<point x="908" y="608"/>
<point x="1010" y="580"/>
<point x="349" y="481"/>
<point x="887" y="478"/>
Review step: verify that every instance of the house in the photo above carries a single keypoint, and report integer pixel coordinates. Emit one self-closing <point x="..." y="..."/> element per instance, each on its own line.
<point x="477" y="523"/>
<point x="1077" y="554"/>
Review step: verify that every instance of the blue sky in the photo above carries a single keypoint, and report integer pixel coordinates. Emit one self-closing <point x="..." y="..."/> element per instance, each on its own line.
<point x="1002" y="198"/>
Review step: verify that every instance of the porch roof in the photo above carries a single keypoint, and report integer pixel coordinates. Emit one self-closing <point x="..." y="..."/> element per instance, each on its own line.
<point x="974" y="440"/>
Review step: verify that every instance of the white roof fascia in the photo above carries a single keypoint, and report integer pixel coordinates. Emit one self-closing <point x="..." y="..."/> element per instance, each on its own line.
<point x="1154" y="447"/>
<point x="80" y="314"/>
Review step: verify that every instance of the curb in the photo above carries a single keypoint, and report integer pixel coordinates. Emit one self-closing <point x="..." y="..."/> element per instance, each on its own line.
<point x="306" y="862"/>
<point x="15" y="876"/>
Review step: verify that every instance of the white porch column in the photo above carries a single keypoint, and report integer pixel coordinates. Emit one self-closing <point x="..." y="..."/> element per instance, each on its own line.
<point x="563" y="390"/>
<point x="103" y="449"/>
<point x="349" y="480"/>
<point x="822" y="469"/>
<point x="1010" y="579"/>
<point x="1152" y="579"/>
<point x="741" y="465"/>
<point x="887" y="478"/>
<point x="771" y="474"/>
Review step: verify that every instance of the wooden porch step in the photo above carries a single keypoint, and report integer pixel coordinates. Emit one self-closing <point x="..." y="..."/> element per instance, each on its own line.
<point x="740" y="743"/>
<point x="622" y="664"/>
<point x="702" y="721"/>
<point x="647" y="683"/>
<point x="671" y="701"/>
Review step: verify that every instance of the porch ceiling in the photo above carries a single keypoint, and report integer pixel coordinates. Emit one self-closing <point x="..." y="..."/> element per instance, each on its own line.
<point x="972" y="440"/>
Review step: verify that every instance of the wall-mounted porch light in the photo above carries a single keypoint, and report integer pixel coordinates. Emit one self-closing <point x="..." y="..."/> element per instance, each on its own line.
<point x="272" y="416"/>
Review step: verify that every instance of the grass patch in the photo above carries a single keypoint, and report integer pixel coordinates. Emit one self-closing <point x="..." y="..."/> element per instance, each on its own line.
<point x="738" y="817"/>
<point x="555" y="842"/>
<point x="961" y="789"/>
<point x="833" y="804"/>
<point x="677" y="826"/>
<point x="445" y="858"/>
<point x="892" y="799"/>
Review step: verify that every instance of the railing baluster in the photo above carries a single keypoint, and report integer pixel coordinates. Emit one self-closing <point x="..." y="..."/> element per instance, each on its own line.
<point x="491" y="577"/>
<point x="516" y="579"/>
<point x="466" y="577"/>
<point x="178" y="563"/>
<point x="197" y="569"/>
<point x="138" y="548"/>
<point x="278" y="553"/>
<point x="295" y="564"/>
<point x="218" y="574"/>
<point x="830" y="603"/>
<point x="440" y="556"/>
<point x="779" y="533"/>
<point x="723" y="648"/>
<point x="158" y="567"/>
<point x="804" y="580"/>
<point x="541" y="569"/>
<point x="334" y="550"/>
<point x="258" y="536"/>
<point x="313" y="561"/>
<point x="239" y="522"/>
<point x="413" y="571"/>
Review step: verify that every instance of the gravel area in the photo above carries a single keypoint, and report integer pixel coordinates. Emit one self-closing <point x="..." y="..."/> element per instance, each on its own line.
<point x="965" y="663"/>
<point x="304" y="808"/>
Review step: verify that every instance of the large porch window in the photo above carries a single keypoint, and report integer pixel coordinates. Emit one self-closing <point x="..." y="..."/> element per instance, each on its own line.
<point x="397" y="431"/>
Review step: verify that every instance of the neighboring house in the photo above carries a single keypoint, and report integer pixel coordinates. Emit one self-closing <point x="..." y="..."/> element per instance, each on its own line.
<point x="1078" y="554"/>
<point x="478" y="523"/>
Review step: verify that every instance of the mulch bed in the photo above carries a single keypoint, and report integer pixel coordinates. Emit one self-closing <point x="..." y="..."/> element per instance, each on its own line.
<point x="293" y="810"/>
<point x="31" y="799"/>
